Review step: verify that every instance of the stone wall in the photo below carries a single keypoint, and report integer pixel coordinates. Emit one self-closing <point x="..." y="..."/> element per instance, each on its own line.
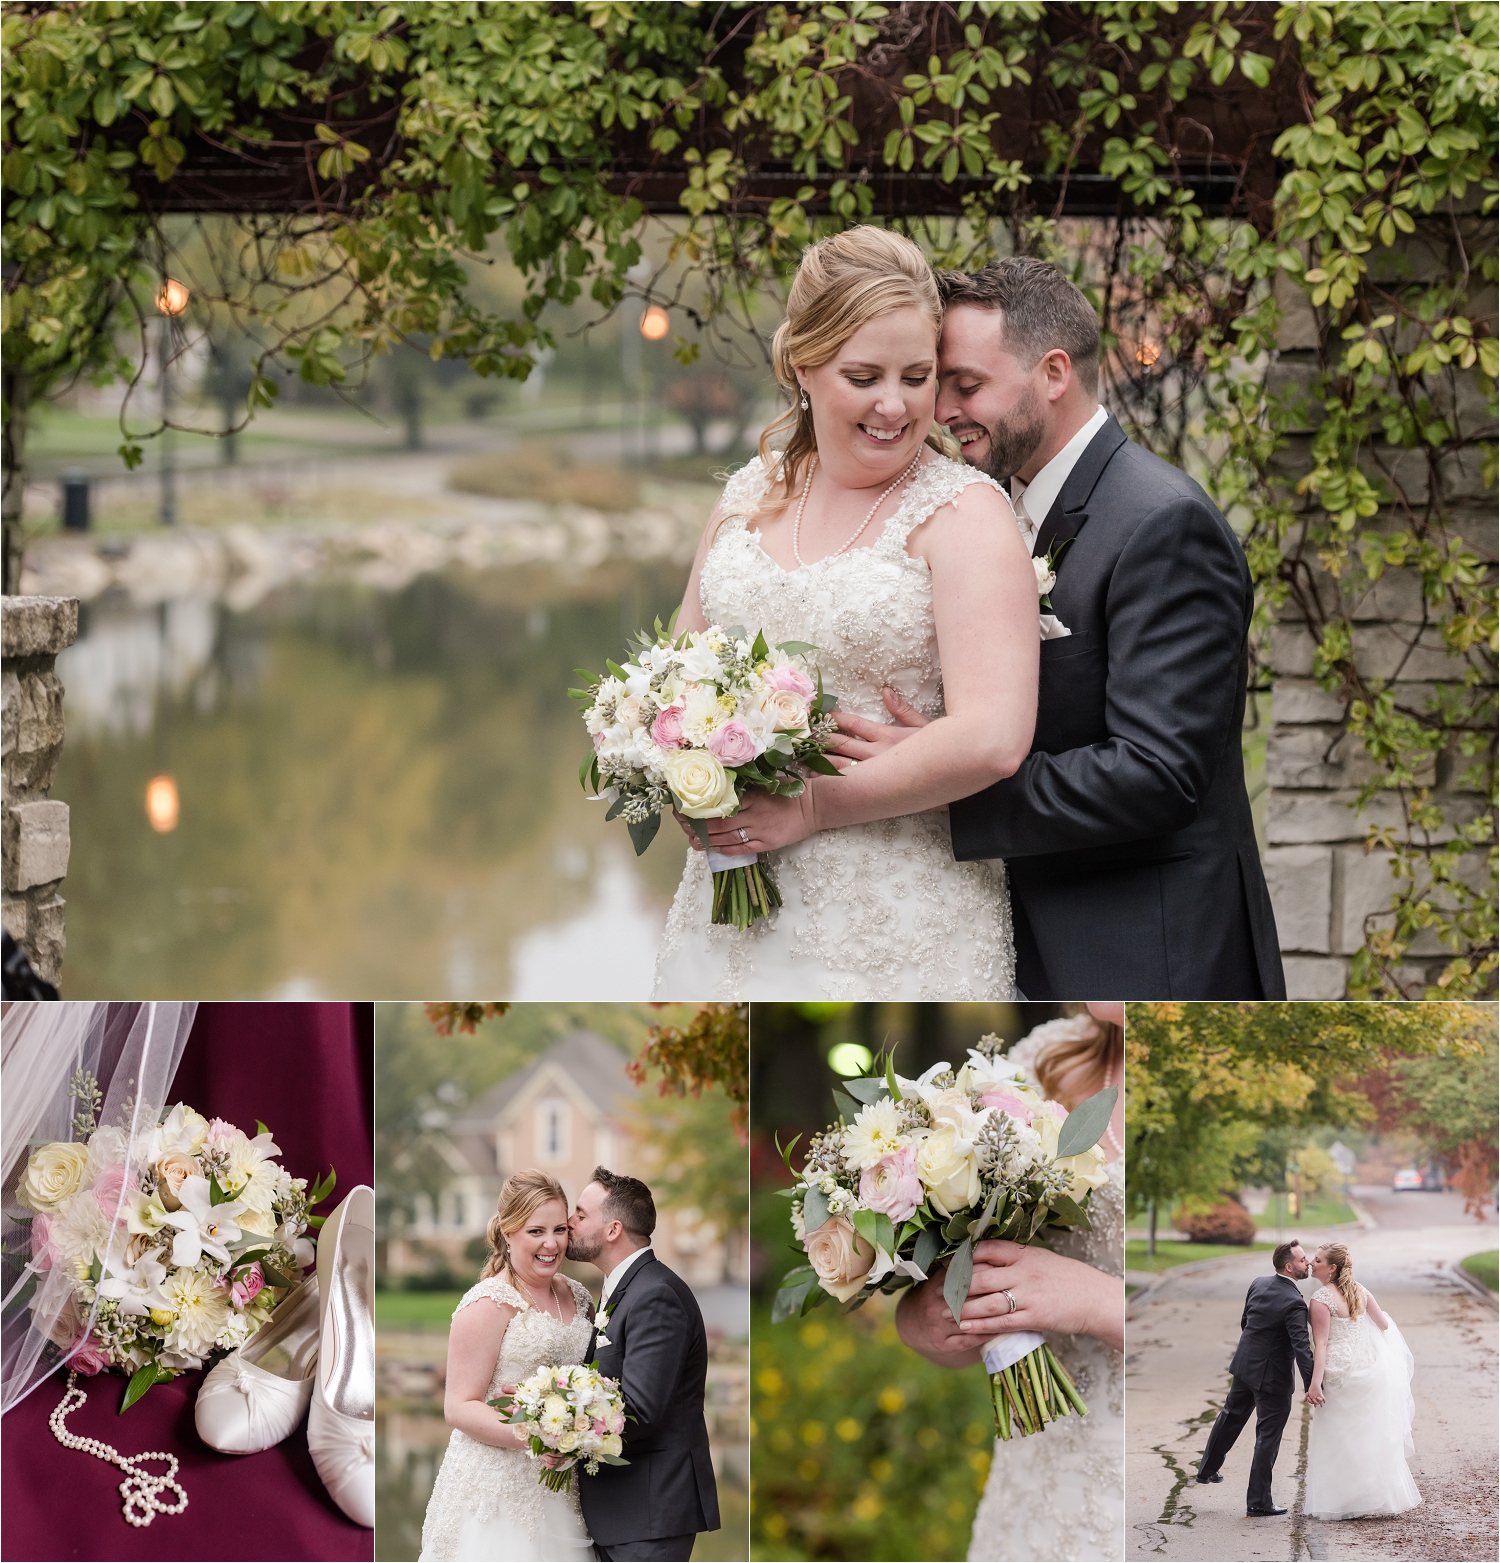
<point x="1323" y="882"/>
<point x="35" y="827"/>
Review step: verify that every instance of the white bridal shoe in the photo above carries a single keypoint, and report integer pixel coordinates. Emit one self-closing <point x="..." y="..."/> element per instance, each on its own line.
<point x="256" y="1396"/>
<point x="341" y="1424"/>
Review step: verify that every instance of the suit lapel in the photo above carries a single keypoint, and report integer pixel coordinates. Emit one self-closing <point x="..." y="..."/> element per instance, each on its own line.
<point x="617" y="1296"/>
<point x="1070" y="509"/>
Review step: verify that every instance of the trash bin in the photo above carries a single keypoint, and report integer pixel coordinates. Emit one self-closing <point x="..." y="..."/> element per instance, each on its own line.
<point x="76" y="502"/>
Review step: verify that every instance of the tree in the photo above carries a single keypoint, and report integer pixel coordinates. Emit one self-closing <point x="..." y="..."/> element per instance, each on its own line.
<point x="1204" y="1080"/>
<point x="712" y="1049"/>
<point x="338" y="172"/>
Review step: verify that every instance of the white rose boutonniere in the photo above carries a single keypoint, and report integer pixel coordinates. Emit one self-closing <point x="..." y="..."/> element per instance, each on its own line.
<point x="601" y="1323"/>
<point x="1045" y="566"/>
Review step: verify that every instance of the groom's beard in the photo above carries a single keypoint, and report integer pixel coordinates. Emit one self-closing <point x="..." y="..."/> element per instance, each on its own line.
<point x="1013" y="441"/>
<point x="579" y="1249"/>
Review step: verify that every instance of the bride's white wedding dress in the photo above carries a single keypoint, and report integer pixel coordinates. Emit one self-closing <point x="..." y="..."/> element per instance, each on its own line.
<point x="487" y="1505"/>
<point x="1059" y="1495"/>
<point x="877" y="911"/>
<point x="1361" y="1434"/>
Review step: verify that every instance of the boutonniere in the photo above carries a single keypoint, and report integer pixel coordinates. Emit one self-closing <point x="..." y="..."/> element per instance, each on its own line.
<point x="601" y="1323"/>
<point x="1045" y="566"/>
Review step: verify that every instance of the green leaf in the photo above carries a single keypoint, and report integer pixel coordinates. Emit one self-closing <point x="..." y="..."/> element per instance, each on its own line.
<point x="643" y="832"/>
<point x="260" y="1128"/>
<point x="924" y="1255"/>
<point x="865" y="1223"/>
<point x="956" y="1282"/>
<point x="789" y="1300"/>
<point x="140" y="1381"/>
<point x="814" y="1210"/>
<point x="845" y="1105"/>
<point x="795" y="647"/>
<point x="274" y="1276"/>
<point x="866" y="1088"/>
<point x="1087" y="1122"/>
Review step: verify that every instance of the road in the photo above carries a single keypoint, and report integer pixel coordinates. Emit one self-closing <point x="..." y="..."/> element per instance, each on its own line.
<point x="1181" y="1336"/>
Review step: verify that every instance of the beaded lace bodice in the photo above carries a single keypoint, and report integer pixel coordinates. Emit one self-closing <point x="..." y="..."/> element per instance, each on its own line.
<point x="478" y="1479"/>
<point x="1059" y="1494"/>
<point x="875" y="911"/>
<point x="1350" y="1343"/>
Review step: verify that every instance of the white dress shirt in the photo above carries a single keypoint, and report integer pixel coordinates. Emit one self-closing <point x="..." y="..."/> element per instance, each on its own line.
<point x="1039" y="495"/>
<point x="615" y="1276"/>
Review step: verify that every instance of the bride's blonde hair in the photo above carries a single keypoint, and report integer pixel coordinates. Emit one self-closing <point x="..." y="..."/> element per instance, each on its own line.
<point x="523" y="1194"/>
<point x="843" y="282"/>
<point x="1343" y="1277"/>
<point x="1080" y="1042"/>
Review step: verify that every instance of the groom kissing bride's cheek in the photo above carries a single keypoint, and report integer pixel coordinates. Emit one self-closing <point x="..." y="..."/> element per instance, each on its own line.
<point x="1126" y="831"/>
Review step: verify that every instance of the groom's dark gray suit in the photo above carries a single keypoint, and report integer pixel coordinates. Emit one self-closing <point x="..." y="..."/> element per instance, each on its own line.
<point x="1127" y="832"/>
<point x="658" y="1350"/>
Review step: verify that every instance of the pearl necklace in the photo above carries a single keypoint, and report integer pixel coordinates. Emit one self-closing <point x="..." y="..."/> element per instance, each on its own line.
<point x="812" y="467"/>
<point x="1109" y="1128"/>
<point x="140" y="1489"/>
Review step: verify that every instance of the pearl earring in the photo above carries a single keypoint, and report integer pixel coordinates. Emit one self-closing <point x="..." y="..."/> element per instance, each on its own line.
<point x="804" y="401"/>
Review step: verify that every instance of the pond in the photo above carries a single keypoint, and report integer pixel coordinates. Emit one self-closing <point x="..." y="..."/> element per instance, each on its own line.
<point x="368" y="793"/>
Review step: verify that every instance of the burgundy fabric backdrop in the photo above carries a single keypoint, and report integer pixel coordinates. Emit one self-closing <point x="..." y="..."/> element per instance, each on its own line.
<point x="307" y="1071"/>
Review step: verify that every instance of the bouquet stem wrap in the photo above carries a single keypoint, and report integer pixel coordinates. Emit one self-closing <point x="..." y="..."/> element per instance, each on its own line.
<point x="1029" y="1387"/>
<point x="743" y="889"/>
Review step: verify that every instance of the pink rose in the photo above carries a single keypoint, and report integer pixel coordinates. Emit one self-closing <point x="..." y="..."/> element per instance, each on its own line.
<point x="599" y="1427"/>
<point x="616" y="1421"/>
<point x="794" y="679"/>
<point x="732" y="744"/>
<point x="218" y="1128"/>
<point x="41" y="1247"/>
<point x="892" y="1186"/>
<point x="247" y="1286"/>
<point x="110" y="1185"/>
<point x="90" y="1357"/>
<point x="666" y="730"/>
<point x="1011" y="1106"/>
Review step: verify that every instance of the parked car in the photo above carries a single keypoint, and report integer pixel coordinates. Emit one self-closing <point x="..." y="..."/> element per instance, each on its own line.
<point x="1406" y="1178"/>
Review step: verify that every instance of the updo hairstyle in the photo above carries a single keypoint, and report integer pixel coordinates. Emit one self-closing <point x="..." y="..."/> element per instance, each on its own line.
<point x="523" y="1194"/>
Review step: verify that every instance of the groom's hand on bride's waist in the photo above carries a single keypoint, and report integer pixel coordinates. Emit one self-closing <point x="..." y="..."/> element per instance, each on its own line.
<point x="862" y="739"/>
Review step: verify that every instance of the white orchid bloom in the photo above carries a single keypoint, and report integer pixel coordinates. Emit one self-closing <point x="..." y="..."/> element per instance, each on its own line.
<point x="700" y="663"/>
<point x="138" y="1290"/>
<point x="983" y="1074"/>
<point x="920" y="1089"/>
<point x="885" y="1264"/>
<point x="203" y="1227"/>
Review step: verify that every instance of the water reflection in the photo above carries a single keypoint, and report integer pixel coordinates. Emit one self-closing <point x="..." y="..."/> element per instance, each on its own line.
<point x="378" y="793"/>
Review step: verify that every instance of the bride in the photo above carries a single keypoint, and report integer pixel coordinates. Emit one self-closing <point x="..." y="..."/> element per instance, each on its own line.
<point x="1058" y="1494"/>
<point x="487" y="1503"/>
<point x="1361" y="1388"/>
<point x="907" y="572"/>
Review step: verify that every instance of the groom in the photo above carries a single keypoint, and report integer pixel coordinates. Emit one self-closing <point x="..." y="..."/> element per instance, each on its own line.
<point x="649" y="1337"/>
<point x="1126" y="831"/>
<point x="1273" y="1334"/>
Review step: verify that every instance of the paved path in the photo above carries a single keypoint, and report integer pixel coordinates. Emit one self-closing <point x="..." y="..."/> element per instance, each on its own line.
<point x="1181" y="1336"/>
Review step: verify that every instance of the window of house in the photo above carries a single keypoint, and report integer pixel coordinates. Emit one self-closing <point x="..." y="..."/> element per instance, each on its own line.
<point x="552" y="1125"/>
<point x="459" y="1212"/>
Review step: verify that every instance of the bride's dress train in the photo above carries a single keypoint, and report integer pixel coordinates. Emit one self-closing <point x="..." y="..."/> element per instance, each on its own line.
<point x="487" y="1505"/>
<point x="877" y="911"/>
<point x="1361" y="1435"/>
<point x="1060" y="1494"/>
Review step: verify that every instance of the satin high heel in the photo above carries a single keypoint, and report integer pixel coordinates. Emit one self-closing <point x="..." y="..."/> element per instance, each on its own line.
<point x="341" y="1422"/>
<point x="256" y="1396"/>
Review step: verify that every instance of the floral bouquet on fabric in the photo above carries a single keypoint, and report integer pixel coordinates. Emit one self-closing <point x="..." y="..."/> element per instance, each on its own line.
<point x="691" y="722"/>
<point x="173" y="1251"/>
<point x="571" y="1411"/>
<point x="918" y="1171"/>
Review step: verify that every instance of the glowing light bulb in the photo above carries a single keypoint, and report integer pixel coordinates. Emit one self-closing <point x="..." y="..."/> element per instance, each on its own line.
<point x="171" y="297"/>
<point x="162" y="806"/>
<point x="849" y="1058"/>
<point x="655" y="324"/>
<point x="1147" y="354"/>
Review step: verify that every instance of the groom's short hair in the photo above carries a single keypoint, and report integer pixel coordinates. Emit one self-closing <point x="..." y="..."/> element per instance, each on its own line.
<point x="1042" y="310"/>
<point x="1283" y="1253"/>
<point x="628" y="1201"/>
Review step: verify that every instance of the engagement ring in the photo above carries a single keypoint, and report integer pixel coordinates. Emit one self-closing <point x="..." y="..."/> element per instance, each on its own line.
<point x="744" y="834"/>
<point x="1010" y="1297"/>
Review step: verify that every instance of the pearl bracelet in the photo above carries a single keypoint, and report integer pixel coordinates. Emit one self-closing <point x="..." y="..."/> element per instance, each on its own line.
<point x="140" y="1489"/>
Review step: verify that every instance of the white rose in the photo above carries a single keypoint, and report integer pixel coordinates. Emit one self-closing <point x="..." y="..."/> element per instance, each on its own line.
<point x="953" y="1107"/>
<point x="53" y="1173"/>
<point x="950" y="1176"/>
<point x="611" y="1445"/>
<point x="1046" y="576"/>
<point x="702" y="787"/>
<point x="568" y="1442"/>
<point x="841" y="1258"/>
<point x="787" y="711"/>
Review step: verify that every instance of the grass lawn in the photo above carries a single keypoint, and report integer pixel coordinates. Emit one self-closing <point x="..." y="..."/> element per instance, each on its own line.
<point x="1315" y="1213"/>
<point x="415" y="1310"/>
<point x="1169" y="1254"/>
<point x="1483" y="1268"/>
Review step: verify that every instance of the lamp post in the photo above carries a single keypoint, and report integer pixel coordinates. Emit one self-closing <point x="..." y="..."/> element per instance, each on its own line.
<point x="171" y="300"/>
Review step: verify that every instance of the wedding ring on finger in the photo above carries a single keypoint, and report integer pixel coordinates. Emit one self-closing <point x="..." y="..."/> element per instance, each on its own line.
<point x="744" y="834"/>
<point x="1010" y="1297"/>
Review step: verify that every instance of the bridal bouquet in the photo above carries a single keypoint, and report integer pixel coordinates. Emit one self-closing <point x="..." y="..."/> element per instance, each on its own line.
<point x="177" y="1249"/>
<point x="571" y="1411"/>
<point x="918" y="1171"/>
<point x="691" y="722"/>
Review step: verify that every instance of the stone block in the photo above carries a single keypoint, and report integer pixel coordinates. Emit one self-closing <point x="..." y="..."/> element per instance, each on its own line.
<point x="1300" y="818"/>
<point x="13" y="912"/>
<point x="1295" y="700"/>
<point x="45" y="939"/>
<point x="39" y="726"/>
<point x="1299" y="321"/>
<point x="1291" y="651"/>
<point x="1461" y="476"/>
<point x="1301" y="757"/>
<point x="1363" y="884"/>
<point x="41" y="843"/>
<point x="1395" y="651"/>
<point x="10" y="710"/>
<point x="1293" y="376"/>
<point x="1308" y="977"/>
<point x="1300" y="880"/>
<point x="37" y="626"/>
<point x="1403" y="472"/>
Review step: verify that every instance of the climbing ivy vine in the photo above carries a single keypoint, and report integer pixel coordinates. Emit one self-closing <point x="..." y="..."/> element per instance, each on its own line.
<point x="429" y="135"/>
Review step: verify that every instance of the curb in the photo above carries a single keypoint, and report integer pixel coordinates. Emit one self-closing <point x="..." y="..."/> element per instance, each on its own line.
<point x="1455" y="1268"/>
